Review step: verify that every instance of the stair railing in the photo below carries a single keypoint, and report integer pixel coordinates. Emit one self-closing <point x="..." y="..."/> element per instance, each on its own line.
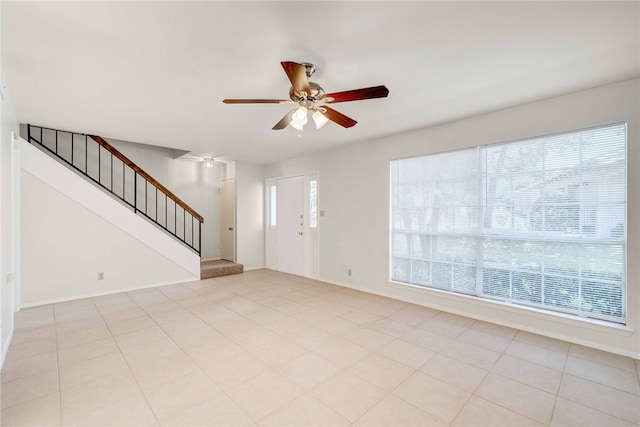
<point x="104" y="165"/>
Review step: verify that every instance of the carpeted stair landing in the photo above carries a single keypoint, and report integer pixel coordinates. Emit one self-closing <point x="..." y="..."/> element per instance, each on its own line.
<point x="218" y="268"/>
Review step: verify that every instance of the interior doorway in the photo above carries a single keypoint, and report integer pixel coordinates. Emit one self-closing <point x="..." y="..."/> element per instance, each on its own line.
<point x="228" y="219"/>
<point x="292" y="224"/>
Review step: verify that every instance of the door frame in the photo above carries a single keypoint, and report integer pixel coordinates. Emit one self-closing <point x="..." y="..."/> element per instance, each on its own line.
<point x="311" y="224"/>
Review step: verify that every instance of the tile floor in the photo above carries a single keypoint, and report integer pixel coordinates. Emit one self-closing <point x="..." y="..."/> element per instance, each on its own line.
<point x="269" y="349"/>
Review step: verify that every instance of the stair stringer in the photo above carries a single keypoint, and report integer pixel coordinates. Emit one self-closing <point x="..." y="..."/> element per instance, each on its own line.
<point x="48" y="170"/>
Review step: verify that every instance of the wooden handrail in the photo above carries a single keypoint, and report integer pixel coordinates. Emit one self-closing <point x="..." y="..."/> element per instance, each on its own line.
<point x="146" y="176"/>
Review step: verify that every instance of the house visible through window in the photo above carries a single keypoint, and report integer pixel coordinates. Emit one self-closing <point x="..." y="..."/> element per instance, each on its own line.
<point x="539" y="222"/>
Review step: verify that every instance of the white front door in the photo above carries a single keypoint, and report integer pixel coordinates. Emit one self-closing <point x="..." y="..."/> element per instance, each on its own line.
<point x="290" y="225"/>
<point x="228" y="219"/>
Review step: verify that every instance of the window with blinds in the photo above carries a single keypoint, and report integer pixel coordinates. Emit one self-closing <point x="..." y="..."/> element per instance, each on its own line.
<point x="539" y="222"/>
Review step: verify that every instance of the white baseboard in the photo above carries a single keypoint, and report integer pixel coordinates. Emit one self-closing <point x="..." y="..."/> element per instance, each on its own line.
<point x="110" y="292"/>
<point x="586" y="343"/>
<point x="5" y="347"/>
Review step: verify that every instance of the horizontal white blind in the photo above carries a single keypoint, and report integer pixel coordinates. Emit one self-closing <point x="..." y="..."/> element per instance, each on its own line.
<point x="539" y="222"/>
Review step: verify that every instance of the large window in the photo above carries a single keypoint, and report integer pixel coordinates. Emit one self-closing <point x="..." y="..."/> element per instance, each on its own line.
<point x="539" y="222"/>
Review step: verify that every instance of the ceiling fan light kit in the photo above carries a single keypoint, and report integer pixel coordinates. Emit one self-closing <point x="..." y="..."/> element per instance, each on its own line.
<point x="299" y="118"/>
<point x="312" y="98"/>
<point x="319" y="119"/>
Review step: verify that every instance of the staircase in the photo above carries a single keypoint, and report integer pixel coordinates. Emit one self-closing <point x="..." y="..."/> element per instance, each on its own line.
<point x="218" y="268"/>
<point x="99" y="162"/>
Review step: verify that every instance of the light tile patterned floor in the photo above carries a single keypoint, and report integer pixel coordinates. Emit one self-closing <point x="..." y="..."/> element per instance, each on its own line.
<point x="269" y="349"/>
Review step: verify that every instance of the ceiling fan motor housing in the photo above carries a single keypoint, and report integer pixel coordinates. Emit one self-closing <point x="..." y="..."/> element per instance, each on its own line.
<point x="316" y="93"/>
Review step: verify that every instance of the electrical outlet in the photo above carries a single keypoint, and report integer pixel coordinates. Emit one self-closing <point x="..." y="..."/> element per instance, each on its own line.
<point x="349" y="272"/>
<point x="100" y="275"/>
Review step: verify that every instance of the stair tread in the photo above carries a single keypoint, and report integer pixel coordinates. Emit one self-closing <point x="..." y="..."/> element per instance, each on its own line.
<point x="218" y="268"/>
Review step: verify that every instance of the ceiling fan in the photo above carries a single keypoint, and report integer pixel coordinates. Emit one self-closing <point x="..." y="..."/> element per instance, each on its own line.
<point x="312" y="99"/>
<point x="199" y="158"/>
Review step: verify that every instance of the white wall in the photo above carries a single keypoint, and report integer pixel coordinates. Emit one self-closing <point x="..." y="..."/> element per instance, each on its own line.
<point x="250" y="215"/>
<point x="190" y="181"/>
<point x="9" y="237"/>
<point x="71" y="230"/>
<point x="354" y="193"/>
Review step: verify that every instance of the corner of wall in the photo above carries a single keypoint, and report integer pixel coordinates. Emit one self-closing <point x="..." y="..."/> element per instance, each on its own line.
<point x="250" y="215"/>
<point x="9" y="217"/>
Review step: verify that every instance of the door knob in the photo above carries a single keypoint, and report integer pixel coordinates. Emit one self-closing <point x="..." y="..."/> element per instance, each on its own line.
<point x="230" y="228"/>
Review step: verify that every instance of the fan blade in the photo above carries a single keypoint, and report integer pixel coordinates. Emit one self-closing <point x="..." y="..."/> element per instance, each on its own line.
<point x="357" y="94"/>
<point x="339" y="118"/>
<point x="284" y="122"/>
<point x="297" y="74"/>
<point x="257" y="101"/>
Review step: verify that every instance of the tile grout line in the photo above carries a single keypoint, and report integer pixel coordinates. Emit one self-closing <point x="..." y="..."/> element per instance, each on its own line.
<point x="127" y="361"/>
<point x="183" y="350"/>
<point x="489" y="371"/>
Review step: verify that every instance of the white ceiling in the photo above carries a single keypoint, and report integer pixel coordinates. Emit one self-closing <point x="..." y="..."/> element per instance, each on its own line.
<point x="156" y="72"/>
